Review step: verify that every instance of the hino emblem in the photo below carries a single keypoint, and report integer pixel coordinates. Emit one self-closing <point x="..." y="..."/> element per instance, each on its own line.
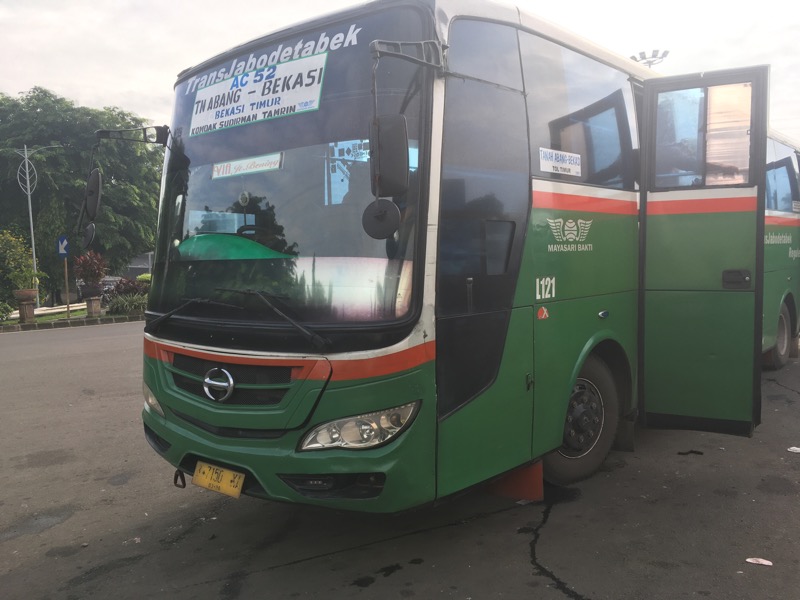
<point x="218" y="384"/>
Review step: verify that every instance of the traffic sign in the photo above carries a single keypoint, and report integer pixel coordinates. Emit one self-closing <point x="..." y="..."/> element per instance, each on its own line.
<point x="63" y="247"/>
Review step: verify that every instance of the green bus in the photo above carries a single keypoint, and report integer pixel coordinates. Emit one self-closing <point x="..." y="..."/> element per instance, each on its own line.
<point x="781" y="251"/>
<point x="410" y="247"/>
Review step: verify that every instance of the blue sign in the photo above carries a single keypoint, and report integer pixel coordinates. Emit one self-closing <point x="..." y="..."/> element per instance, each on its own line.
<point x="63" y="247"/>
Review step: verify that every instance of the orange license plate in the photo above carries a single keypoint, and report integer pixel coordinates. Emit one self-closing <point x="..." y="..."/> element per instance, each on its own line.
<point x="217" y="479"/>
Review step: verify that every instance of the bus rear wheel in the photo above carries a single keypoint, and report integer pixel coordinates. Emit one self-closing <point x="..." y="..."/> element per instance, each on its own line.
<point x="779" y="355"/>
<point x="589" y="428"/>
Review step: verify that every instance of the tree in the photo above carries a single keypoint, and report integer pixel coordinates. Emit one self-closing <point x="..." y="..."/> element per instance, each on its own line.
<point x="131" y="173"/>
<point x="13" y="255"/>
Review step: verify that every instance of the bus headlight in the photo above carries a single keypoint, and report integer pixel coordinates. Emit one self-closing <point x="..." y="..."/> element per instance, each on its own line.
<point x="150" y="402"/>
<point x="361" y="431"/>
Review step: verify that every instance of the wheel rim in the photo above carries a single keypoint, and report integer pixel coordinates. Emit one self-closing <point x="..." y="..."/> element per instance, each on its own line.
<point x="585" y="419"/>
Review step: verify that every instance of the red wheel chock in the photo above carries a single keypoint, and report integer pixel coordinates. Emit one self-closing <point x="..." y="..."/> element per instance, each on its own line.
<point x="523" y="483"/>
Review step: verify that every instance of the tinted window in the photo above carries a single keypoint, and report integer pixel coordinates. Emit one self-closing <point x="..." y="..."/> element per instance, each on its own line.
<point x="783" y="157"/>
<point x="777" y="150"/>
<point x="781" y="186"/>
<point x="484" y="200"/>
<point x="483" y="208"/>
<point x="580" y="115"/>
<point x="485" y="51"/>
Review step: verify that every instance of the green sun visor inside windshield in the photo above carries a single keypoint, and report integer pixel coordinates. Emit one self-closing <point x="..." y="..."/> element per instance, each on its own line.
<point x="225" y="246"/>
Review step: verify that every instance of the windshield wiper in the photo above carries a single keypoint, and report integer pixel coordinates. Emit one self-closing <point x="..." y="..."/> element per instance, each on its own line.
<point x="317" y="340"/>
<point x="155" y="323"/>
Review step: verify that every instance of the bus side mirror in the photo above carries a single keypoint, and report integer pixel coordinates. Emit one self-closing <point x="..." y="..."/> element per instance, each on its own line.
<point x="147" y="135"/>
<point x="94" y="189"/>
<point x="388" y="162"/>
<point x="88" y="235"/>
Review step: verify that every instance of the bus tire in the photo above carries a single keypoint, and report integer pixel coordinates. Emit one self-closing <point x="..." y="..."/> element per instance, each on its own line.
<point x="590" y="426"/>
<point x="778" y="356"/>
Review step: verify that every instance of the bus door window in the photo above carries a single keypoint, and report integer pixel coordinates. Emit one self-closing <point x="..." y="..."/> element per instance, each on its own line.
<point x="685" y="156"/>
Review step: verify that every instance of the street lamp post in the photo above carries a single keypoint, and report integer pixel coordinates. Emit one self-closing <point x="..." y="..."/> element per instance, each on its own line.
<point x="27" y="179"/>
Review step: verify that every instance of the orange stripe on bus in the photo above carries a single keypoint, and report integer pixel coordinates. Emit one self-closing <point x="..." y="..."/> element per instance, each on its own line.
<point x="150" y="349"/>
<point x="702" y="205"/>
<point x="301" y="368"/>
<point x="785" y="221"/>
<point x="556" y="201"/>
<point x="381" y="366"/>
<point x="343" y="370"/>
<point x="164" y="352"/>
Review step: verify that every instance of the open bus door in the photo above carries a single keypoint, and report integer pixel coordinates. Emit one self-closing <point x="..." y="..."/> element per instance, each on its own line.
<point x="703" y="165"/>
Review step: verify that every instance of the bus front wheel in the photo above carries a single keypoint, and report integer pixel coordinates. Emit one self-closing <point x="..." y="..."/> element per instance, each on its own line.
<point x="589" y="428"/>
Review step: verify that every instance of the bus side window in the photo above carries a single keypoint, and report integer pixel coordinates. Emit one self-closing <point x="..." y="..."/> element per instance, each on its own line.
<point x="780" y="191"/>
<point x="482" y="50"/>
<point x="485" y="181"/>
<point x="783" y="185"/>
<point x="484" y="184"/>
<point x="581" y="113"/>
<point x="483" y="208"/>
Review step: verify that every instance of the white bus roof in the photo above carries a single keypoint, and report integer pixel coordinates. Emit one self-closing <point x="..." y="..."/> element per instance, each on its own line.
<point x="784" y="139"/>
<point x="447" y="10"/>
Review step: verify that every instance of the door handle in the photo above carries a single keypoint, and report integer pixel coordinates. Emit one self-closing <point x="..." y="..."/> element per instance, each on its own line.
<point x="736" y="279"/>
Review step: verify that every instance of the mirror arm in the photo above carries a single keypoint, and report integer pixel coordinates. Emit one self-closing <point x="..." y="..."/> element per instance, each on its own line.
<point x="94" y="180"/>
<point x="374" y="153"/>
<point x="428" y="53"/>
<point x="129" y="135"/>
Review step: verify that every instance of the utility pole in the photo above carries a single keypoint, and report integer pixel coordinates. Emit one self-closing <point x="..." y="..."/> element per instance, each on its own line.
<point x="27" y="179"/>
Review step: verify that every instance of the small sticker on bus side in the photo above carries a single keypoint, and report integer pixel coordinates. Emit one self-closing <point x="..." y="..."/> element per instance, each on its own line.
<point x="246" y="166"/>
<point x="556" y="161"/>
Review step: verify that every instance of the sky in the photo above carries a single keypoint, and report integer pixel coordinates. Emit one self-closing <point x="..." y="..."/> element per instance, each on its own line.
<point x="127" y="53"/>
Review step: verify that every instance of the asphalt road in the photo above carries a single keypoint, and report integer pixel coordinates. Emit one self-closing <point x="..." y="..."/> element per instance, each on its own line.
<point x="87" y="509"/>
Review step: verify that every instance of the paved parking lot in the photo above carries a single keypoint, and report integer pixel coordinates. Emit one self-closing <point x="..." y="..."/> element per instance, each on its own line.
<point x="87" y="509"/>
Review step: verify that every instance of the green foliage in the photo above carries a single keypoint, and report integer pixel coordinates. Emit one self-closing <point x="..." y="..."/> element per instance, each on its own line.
<point x="5" y="310"/>
<point x="144" y="278"/>
<point x="91" y="268"/>
<point x="15" y="257"/>
<point x="25" y="278"/>
<point x="131" y="172"/>
<point x="130" y="304"/>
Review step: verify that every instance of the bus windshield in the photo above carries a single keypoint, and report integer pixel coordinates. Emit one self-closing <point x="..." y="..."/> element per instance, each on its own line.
<point x="267" y="178"/>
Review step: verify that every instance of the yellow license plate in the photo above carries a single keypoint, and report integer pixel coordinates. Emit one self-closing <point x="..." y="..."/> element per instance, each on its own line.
<point x="217" y="479"/>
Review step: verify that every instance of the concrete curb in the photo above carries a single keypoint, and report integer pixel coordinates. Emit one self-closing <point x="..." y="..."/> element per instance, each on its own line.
<point x="62" y="323"/>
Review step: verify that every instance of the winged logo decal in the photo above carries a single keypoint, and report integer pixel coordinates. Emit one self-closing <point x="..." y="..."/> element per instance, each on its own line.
<point x="570" y="230"/>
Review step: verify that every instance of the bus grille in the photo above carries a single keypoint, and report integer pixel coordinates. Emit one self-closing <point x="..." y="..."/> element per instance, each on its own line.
<point x="266" y="385"/>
